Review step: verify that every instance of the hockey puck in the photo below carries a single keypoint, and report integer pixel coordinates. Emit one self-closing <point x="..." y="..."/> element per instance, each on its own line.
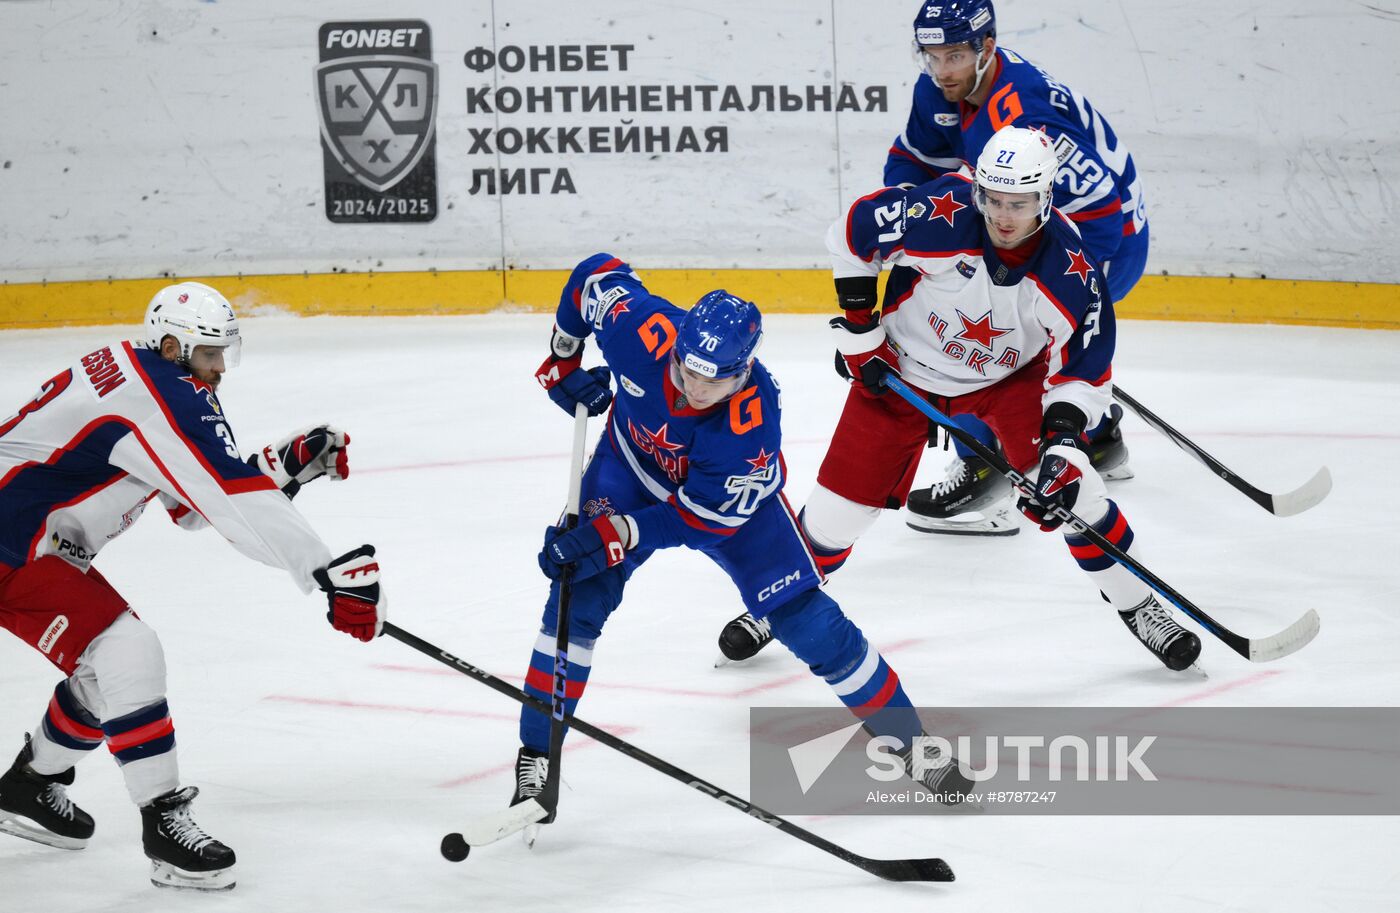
<point x="455" y="848"/>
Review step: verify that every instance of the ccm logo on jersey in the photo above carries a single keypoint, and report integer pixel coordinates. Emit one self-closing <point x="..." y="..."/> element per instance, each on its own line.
<point x="773" y="588"/>
<point x="54" y="632"/>
<point x="103" y="372"/>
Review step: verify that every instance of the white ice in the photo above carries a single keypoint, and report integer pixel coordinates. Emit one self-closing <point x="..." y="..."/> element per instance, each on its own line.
<point x="333" y="767"/>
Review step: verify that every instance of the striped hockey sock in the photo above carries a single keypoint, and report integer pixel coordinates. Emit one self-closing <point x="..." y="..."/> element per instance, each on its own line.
<point x="871" y="689"/>
<point x="1117" y="583"/>
<point x="67" y="733"/>
<point x="143" y="742"/>
<point x="829" y="560"/>
<point x="539" y="683"/>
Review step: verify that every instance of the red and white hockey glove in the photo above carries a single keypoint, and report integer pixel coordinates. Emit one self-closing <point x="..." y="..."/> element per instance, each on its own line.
<point x="863" y="355"/>
<point x="567" y="383"/>
<point x="1063" y="466"/>
<point x="303" y="456"/>
<point x="351" y="585"/>
<point x="590" y="549"/>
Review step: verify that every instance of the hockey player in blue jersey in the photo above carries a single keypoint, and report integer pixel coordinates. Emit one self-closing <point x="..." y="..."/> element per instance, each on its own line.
<point x="969" y="88"/>
<point x="1009" y="321"/>
<point x="691" y="456"/>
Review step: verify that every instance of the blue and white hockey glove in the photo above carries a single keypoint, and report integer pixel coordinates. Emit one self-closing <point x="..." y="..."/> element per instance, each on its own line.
<point x="567" y="383"/>
<point x="591" y="549"/>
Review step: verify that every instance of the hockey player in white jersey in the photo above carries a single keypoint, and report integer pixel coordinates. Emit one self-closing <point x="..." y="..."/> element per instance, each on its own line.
<point x="122" y="427"/>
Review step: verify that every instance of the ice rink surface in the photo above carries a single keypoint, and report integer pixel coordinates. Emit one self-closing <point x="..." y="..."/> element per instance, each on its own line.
<point x="333" y="767"/>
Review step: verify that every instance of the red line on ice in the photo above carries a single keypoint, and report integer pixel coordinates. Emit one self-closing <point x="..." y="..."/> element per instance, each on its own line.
<point x="594" y="684"/>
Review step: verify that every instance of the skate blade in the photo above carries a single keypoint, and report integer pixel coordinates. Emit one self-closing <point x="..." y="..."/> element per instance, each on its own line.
<point x="978" y="526"/>
<point x="165" y="875"/>
<point x="529" y="833"/>
<point x="1118" y="473"/>
<point x="26" y="830"/>
<point x="721" y="660"/>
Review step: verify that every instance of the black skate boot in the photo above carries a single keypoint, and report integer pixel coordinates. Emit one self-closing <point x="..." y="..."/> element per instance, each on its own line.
<point x="36" y="807"/>
<point x="531" y="770"/>
<point x="182" y="855"/>
<point x="1154" y="625"/>
<point x="743" y="637"/>
<point x="945" y="781"/>
<point x="1107" y="452"/>
<point x="974" y="500"/>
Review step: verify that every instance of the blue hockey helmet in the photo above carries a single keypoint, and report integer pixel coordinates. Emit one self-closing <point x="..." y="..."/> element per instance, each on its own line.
<point x="715" y="346"/>
<point x="955" y="22"/>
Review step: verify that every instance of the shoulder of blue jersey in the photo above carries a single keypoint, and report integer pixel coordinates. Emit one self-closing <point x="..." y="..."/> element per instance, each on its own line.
<point x="1066" y="267"/>
<point x="939" y="216"/>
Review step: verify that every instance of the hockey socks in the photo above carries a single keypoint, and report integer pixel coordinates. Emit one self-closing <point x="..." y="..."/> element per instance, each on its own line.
<point x="539" y="684"/>
<point x="873" y="692"/>
<point x="68" y="732"/>
<point x="143" y="743"/>
<point x="1119" y="585"/>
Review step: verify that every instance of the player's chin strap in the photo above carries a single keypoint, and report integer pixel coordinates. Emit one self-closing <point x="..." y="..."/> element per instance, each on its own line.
<point x="983" y="68"/>
<point x="1293" y="638"/>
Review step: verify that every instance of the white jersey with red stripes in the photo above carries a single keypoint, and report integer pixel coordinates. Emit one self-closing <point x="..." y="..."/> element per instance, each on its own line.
<point x="119" y="428"/>
<point x="969" y="319"/>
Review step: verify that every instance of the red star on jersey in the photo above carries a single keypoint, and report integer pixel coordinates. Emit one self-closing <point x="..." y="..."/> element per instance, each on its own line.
<point x="658" y="438"/>
<point x="1079" y="265"/>
<point x="761" y="461"/>
<point x="619" y="309"/>
<point x="945" y="207"/>
<point x="200" y="386"/>
<point x="980" y="330"/>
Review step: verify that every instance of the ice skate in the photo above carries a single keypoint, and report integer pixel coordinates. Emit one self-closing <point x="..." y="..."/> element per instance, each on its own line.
<point x="181" y="854"/>
<point x="36" y="807"/>
<point x="1154" y="626"/>
<point x="742" y="638"/>
<point x="946" y="781"/>
<point x="531" y="770"/>
<point x="1107" y="452"/>
<point x="973" y="500"/>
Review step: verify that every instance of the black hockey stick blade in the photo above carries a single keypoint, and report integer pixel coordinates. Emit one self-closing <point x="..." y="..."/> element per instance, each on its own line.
<point x="910" y="869"/>
<point x="1284" y="504"/>
<point x="489" y="829"/>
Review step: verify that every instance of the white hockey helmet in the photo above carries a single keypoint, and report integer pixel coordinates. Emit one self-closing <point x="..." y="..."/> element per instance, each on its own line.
<point x="196" y="315"/>
<point x="1018" y="160"/>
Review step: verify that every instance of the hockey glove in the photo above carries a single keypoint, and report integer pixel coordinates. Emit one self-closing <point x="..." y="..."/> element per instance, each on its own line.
<point x="591" y="549"/>
<point x="568" y="384"/>
<point x="351" y="585"/>
<point x="303" y="456"/>
<point x="863" y="355"/>
<point x="1063" y="463"/>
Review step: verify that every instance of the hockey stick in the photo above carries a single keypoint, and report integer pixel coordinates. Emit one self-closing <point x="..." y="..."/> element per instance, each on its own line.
<point x="549" y="796"/>
<point x="1305" y="496"/>
<point x="1290" y="639"/>
<point x="542" y="808"/>
<point x="929" y="869"/>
